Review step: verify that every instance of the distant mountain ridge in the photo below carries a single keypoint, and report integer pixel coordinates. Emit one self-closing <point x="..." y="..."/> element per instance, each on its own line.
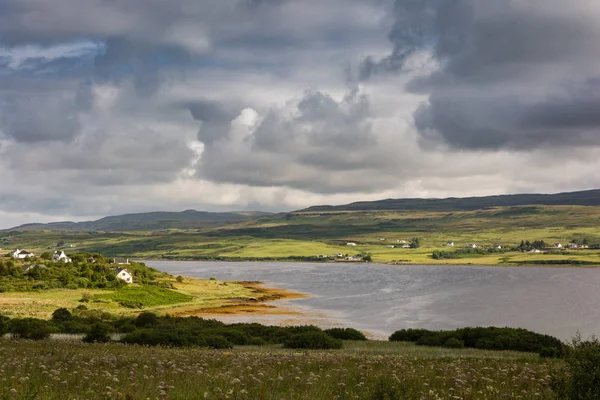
<point x="580" y="198"/>
<point x="189" y="219"/>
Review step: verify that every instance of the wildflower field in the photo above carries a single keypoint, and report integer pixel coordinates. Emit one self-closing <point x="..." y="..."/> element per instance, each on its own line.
<point x="63" y="369"/>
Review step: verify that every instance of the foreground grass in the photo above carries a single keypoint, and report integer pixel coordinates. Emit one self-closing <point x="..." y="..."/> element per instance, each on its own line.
<point x="73" y="370"/>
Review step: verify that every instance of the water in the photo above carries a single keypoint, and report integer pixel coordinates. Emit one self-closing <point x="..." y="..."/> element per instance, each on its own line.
<point x="382" y="298"/>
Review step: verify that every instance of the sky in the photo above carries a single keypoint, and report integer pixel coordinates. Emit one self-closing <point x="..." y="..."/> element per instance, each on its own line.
<point x="118" y="106"/>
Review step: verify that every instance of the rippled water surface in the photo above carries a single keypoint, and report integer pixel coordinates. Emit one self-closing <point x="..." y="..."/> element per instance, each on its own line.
<point x="382" y="298"/>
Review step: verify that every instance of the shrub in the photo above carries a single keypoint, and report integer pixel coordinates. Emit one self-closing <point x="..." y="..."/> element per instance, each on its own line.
<point x="490" y="338"/>
<point x="146" y="319"/>
<point x="581" y="378"/>
<point x="312" y="340"/>
<point x="408" y="335"/>
<point x="454" y="343"/>
<point x="232" y="335"/>
<point x="153" y="337"/>
<point x="257" y="341"/>
<point x="30" y="328"/>
<point x="345" y="334"/>
<point x="179" y="278"/>
<point x="550" y="352"/>
<point x="431" y="340"/>
<point x="215" y="342"/>
<point x="61" y="314"/>
<point x="3" y="324"/>
<point x="98" y="333"/>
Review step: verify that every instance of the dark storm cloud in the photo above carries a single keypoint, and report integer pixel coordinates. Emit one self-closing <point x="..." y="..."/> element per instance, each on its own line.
<point x="39" y="112"/>
<point x="512" y="75"/>
<point x="215" y="117"/>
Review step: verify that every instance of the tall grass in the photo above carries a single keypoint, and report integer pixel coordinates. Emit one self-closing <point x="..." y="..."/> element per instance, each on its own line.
<point x="55" y="370"/>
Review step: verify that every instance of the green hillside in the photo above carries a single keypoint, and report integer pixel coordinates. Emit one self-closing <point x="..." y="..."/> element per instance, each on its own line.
<point x="582" y="198"/>
<point x="501" y="233"/>
<point x="190" y="219"/>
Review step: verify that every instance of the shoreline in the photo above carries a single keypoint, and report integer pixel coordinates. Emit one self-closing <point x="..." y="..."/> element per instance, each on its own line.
<point x="391" y="264"/>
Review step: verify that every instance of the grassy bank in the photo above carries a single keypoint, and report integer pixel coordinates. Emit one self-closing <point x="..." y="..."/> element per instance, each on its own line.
<point x="189" y="297"/>
<point x="367" y="370"/>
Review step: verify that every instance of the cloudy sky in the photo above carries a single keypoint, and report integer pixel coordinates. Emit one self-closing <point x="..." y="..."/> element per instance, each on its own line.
<point x="114" y="106"/>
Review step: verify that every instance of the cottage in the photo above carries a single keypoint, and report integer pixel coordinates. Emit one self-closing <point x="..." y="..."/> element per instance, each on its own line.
<point x="557" y="246"/>
<point x="124" y="275"/>
<point x="60" y="256"/>
<point x="22" y="254"/>
<point x="121" y="261"/>
<point x="351" y="244"/>
<point x="472" y="245"/>
<point x="406" y="246"/>
<point x="391" y="246"/>
<point x="450" y="244"/>
<point x="382" y="239"/>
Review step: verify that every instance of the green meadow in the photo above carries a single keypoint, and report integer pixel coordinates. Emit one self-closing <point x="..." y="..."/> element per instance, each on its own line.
<point x="311" y="234"/>
<point x="61" y="369"/>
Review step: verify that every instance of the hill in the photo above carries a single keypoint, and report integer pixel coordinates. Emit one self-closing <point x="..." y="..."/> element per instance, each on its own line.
<point x="581" y="198"/>
<point x="190" y="219"/>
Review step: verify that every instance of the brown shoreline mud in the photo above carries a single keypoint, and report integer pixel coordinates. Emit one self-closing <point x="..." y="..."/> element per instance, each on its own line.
<point x="253" y="305"/>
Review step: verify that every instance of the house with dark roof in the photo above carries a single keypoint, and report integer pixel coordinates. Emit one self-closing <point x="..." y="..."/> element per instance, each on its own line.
<point x="22" y="254"/>
<point x="124" y="275"/>
<point x="60" y="256"/>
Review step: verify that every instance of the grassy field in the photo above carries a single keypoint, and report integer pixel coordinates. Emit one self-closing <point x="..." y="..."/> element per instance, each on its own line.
<point x="189" y="297"/>
<point x="373" y="370"/>
<point x="310" y="234"/>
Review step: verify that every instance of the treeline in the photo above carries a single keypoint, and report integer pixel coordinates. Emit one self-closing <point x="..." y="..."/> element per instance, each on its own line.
<point x="152" y="330"/>
<point x="490" y="338"/>
<point x="87" y="271"/>
<point x="462" y="253"/>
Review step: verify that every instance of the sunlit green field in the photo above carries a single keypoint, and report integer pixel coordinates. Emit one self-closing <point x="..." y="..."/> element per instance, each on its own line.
<point x="375" y="370"/>
<point x="191" y="294"/>
<point x="306" y="234"/>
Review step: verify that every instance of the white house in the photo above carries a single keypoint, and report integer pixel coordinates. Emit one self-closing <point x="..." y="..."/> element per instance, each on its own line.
<point x="406" y="246"/>
<point x="558" y="246"/>
<point x="124" y="275"/>
<point x="401" y="241"/>
<point x="22" y="254"/>
<point x="382" y="239"/>
<point x="60" y="256"/>
<point x="351" y="244"/>
<point x="450" y="244"/>
<point x="472" y="245"/>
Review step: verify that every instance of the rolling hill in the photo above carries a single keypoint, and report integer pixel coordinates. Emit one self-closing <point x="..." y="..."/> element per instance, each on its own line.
<point x="190" y="219"/>
<point x="581" y="198"/>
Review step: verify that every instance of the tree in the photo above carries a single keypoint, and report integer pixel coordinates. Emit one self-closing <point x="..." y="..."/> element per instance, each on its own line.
<point x="61" y="314"/>
<point x="46" y="255"/>
<point x="415" y="243"/>
<point x="99" y="333"/>
<point x="179" y="279"/>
